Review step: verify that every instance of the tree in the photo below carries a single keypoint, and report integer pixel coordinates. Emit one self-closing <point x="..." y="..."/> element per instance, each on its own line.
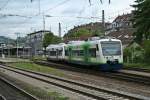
<point x="82" y="32"/>
<point x="141" y="20"/>
<point x="49" y="38"/>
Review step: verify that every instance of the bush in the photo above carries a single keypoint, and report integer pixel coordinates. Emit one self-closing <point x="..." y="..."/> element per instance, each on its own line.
<point x="134" y="54"/>
<point x="146" y="46"/>
<point x="127" y="54"/>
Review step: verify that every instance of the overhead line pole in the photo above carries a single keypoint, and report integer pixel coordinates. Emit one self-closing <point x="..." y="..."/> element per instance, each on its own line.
<point x="39" y="6"/>
<point x="43" y="21"/>
<point x="17" y="43"/>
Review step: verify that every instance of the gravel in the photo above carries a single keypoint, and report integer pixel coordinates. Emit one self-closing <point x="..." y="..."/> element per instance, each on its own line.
<point x="45" y="86"/>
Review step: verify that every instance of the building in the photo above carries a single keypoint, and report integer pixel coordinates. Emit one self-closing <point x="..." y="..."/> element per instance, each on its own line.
<point x="34" y="40"/>
<point x="121" y="28"/>
<point x="122" y="22"/>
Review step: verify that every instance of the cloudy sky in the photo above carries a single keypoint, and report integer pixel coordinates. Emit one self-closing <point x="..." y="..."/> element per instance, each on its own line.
<point x="24" y="16"/>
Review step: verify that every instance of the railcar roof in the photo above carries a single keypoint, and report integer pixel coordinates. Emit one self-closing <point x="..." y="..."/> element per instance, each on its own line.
<point x="75" y="43"/>
<point x="56" y="45"/>
<point x="92" y="42"/>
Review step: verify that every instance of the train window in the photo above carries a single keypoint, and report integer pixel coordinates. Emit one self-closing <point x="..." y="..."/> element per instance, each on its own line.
<point x="60" y="52"/>
<point x="75" y="52"/>
<point x="81" y="53"/>
<point x="52" y="53"/>
<point x="92" y="52"/>
<point x="78" y="52"/>
<point x="111" y="48"/>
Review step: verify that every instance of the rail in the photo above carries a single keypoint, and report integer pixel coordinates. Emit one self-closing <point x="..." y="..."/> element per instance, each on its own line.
<point x="78" y="87"/>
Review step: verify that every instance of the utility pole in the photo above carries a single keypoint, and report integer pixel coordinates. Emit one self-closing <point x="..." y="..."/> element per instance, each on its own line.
<point x="8" y="47"/>
<point x="43" y="21"/>
<point x="50" y="28"/>
<point x="18" y="34"/>
<point x="103" y="18"/>
<point x="59" y="30"/>
<point x="39" y="6"/>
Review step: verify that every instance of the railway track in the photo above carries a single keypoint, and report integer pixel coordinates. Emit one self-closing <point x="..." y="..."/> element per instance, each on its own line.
<point x="129" y="77"/>
<point x="88" y="90"/>
<point x="139" y="69"/>
<point x="10" y="91"/>
<point x="2" y="97"/>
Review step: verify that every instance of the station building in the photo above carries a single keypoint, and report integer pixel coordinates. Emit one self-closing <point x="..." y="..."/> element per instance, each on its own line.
<point x="34" y="41"/>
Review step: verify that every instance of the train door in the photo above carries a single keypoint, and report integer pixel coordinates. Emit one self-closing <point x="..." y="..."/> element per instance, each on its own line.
<point x="57" y="53"/>
<point x="70" y="53"/>
<point x="97" y="53"/>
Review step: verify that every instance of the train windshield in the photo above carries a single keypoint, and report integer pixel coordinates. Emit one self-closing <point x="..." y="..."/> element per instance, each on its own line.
<point x="111" y="48"/>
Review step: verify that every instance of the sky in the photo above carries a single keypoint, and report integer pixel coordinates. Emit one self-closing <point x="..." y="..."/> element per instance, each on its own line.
<point x="24" y="16"/>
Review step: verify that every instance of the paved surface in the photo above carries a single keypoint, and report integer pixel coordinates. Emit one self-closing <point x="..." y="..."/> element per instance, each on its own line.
<point x="8" y="60"/>
<point x="136" y="73"/>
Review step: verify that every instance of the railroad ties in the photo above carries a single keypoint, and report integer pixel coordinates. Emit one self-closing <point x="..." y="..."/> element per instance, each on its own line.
<point x="88" y="90"/>
<point x="9" y="91"/>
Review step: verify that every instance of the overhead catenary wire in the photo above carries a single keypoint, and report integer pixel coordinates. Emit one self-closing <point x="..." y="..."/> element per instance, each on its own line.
<point x="57" y="5"/>
<point x="5" y="4"/>
<point x="28" y="18"/>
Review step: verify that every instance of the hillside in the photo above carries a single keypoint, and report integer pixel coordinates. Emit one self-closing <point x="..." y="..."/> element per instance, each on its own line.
<point x="85" y="31"/>
<point x="6" y="40"/>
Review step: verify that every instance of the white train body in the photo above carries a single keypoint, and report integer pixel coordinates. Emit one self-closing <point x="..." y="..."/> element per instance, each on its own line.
<point x="105" y="53"/>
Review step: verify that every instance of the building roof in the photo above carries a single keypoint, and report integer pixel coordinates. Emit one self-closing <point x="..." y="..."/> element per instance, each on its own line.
<point x="123" y="18"/>
<point x="126" y="36"/>
<point x="38" y="32"/>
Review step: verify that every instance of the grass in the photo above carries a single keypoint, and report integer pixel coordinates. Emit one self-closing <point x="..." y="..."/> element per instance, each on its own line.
<point x="35" y="67"/>
<point x="137" y="65"/>
<point x="38" y="92"/>
<point x="38" y="58"/>
<point x="44" y="95"/>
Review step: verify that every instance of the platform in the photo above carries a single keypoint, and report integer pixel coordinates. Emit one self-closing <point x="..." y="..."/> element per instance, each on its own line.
<point x="11" y="60"/>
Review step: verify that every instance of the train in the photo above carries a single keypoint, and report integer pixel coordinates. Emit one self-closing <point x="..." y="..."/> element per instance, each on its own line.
<point x="104" y="53"/>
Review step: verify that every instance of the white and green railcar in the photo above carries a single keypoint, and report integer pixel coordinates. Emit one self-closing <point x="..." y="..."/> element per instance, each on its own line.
<point x="105" y="53"/>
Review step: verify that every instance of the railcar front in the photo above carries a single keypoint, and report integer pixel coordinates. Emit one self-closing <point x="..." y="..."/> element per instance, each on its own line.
<point x="56" y="52"/>
<point x="111" y="54"/>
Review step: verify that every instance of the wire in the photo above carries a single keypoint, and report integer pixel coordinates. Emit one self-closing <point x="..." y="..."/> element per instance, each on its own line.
<point x="57" y="5"/>
<point x="4" y="5"/>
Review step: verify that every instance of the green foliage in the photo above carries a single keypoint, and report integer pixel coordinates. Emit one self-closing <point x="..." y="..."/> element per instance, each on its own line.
<point x="134" y="53"/>
<point x="6" y="40"/>
<point x="141" y="20"/>
<point x="49" y="38"/>
<point x="39" y="68"/>
<point x="82" y="32"/>
<point x="127" y="54"/>
<point x="87" y="30"/>
<point x="137" y="65"/>
<point x="146" y="46"/>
